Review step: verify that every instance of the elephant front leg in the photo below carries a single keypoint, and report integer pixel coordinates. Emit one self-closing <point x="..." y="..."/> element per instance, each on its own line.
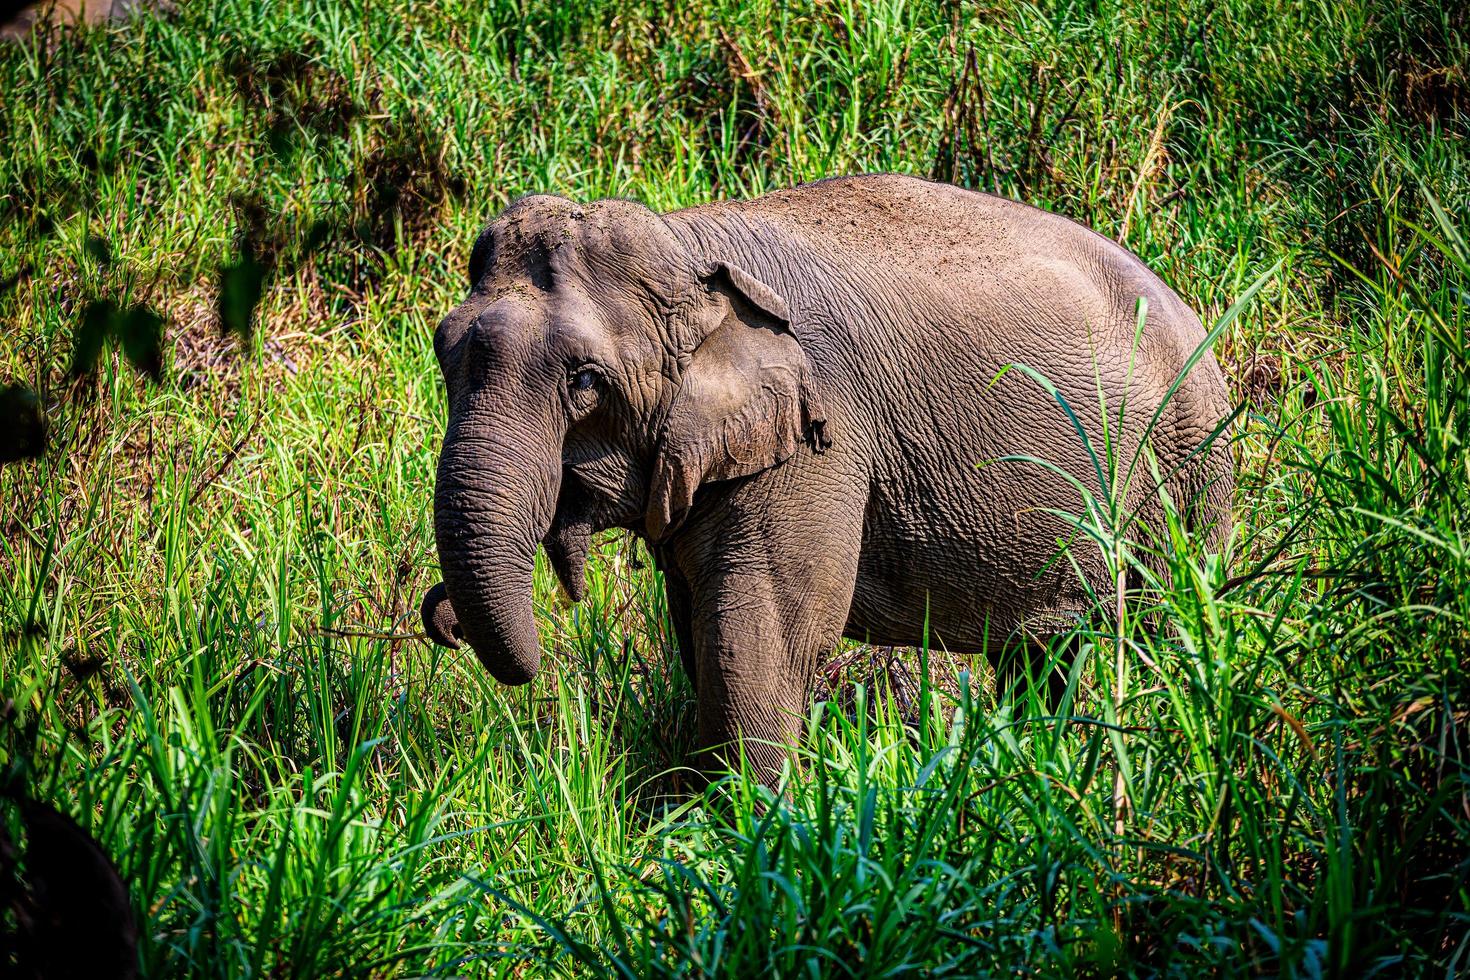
<point x="753" y="677"/>
<point x="769" y="598"/>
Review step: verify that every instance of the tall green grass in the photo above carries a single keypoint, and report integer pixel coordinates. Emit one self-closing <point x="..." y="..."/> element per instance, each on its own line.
<point x="208" y="606"/>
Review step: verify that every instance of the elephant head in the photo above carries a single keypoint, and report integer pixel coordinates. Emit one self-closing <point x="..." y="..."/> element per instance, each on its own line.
<point x="598" y="373"/>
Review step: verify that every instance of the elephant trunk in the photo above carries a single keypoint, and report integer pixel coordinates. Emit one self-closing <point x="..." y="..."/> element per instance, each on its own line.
<point x="493" y="502"/>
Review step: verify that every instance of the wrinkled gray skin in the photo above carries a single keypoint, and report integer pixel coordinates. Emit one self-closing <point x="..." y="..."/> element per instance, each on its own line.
<point x="787" y="399"/>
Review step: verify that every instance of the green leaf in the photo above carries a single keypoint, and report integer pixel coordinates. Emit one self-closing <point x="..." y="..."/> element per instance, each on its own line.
<point x="140" y="332"/>
<point x="22" y="424"/>
<point x="97" y="249"/>
<point x="92" y="333"/>
<point x="240" y="286"/>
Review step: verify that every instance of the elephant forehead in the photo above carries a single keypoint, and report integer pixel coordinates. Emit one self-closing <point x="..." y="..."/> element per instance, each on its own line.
<point x="617" y="253"/>
<point x="539" y="228"/>
<point x="487" y="331"/>
<point x="509" y="316"/>
<point x="610" y="273"/>
<point x="622" y="245"/>
<point x="521" y="325"/>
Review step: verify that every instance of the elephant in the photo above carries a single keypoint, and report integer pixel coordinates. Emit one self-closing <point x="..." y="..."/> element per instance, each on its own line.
<point x="790" y="399"/>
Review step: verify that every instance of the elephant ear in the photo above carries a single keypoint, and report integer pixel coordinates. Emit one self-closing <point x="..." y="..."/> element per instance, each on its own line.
<point x="746" y="400"/>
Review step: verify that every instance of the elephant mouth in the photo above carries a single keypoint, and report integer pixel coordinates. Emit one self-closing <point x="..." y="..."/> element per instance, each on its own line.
<point x="485" y="602"/>
<point x="566" y="542"/>
<point x="569" y="538"/>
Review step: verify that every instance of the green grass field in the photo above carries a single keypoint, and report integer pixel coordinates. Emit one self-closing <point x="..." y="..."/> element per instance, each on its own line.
<point x="209" y="650"/>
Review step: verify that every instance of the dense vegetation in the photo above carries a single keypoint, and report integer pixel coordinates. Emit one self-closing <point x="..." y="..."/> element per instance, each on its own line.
<point x="225" y="238"/>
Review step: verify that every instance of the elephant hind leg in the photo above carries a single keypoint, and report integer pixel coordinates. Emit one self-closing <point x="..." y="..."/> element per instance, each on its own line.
<point x="1201" y="492"/>
<point x="1208" y="491"/>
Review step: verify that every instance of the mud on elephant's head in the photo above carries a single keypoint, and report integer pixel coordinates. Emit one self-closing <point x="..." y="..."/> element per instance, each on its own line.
<point x="598" y="373"/>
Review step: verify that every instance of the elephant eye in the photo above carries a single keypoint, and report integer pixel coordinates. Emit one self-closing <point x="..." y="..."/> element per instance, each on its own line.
<point x="585" y="380"/>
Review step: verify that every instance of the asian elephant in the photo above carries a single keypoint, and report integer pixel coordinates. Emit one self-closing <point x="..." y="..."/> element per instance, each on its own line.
<point x="788" y="398"/>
